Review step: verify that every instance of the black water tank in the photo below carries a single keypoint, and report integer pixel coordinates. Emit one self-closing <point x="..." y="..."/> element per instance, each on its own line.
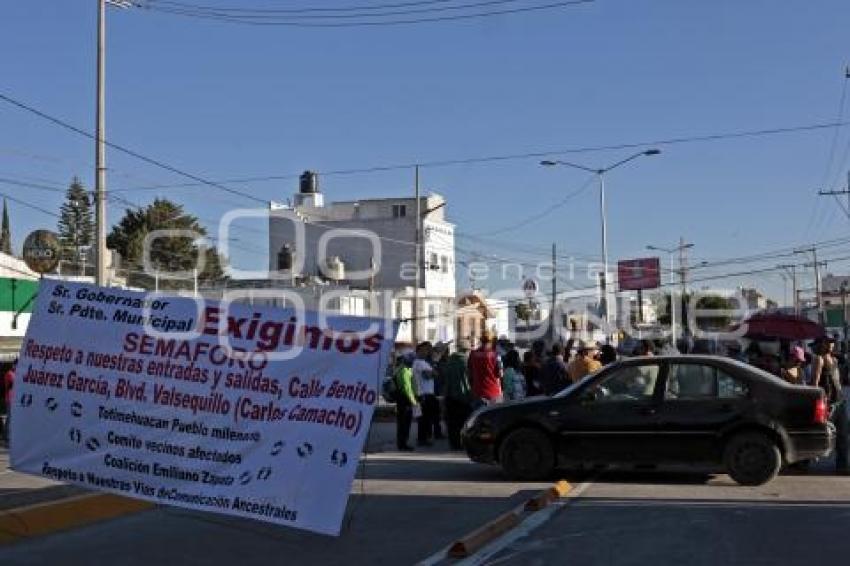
<point x="309" y="182"/>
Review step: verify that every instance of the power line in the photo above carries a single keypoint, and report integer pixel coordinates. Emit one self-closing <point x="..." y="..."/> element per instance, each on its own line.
<point x="532" y="155"/>
<point x="29" y="205"/>
<point x="349" y="8"/>
<point x="292" y="21"/>
<point x="129" y="152"/>
<point x="542" y="214"/>
<point x="834" y="143"/>
<point x="270" y="14"/>
<point x="28" y="185"/>
<point x="219" y="186"/>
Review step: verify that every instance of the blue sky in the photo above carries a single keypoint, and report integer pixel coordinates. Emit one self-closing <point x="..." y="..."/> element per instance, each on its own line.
<point x="226" y="101"/>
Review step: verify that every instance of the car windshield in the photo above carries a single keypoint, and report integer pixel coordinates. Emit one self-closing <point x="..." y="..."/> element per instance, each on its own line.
<point x="573" y="386"/>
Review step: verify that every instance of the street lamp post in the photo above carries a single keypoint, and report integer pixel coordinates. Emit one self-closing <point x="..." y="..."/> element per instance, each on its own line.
<point x="600" y="175"/>
<point x="100" y="141"/>
<point x="671" y="252"/>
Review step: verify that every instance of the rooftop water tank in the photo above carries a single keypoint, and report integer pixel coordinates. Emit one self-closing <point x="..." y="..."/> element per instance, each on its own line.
<point x="308" y="183"/>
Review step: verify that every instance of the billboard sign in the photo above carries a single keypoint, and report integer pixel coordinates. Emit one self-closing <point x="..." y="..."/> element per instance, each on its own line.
<point x="637" y="274"/>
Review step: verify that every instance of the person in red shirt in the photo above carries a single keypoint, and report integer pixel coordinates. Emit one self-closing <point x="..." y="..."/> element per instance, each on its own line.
<point x="8" y="381"/>
<point x="485" y="372"/>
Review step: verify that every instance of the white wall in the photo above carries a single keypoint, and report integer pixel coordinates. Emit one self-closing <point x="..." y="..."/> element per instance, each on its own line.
<point x="6" y="324"/>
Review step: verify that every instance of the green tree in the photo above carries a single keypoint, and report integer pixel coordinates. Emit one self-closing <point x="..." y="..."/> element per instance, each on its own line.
<point x="715" y="303"/>
<point x="6" y="232"/>
<point x="167" y="254"/>
<point x="704" y="303"/>
<point x="76" y="225"/>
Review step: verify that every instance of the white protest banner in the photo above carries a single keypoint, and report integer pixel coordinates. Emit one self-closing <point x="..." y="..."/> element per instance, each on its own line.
<point x="252" y="411"/>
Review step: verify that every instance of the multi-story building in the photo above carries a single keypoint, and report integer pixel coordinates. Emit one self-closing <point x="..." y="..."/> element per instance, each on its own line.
<point x="370" y="244"/>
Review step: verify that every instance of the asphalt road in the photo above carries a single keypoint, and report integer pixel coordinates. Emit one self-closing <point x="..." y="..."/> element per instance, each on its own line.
<point x="406" y="507"/>
<point x="680" y="518"/>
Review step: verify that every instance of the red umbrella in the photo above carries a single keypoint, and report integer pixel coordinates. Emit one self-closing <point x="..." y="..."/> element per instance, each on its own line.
<point x="781" y="326"/>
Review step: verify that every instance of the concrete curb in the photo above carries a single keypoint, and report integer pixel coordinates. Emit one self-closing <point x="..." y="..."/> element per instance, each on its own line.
<point x="44" y="518"/>
<point x="490" y="531"/>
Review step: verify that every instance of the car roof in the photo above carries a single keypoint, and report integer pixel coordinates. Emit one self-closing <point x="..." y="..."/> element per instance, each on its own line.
<point x="707" y="359"/>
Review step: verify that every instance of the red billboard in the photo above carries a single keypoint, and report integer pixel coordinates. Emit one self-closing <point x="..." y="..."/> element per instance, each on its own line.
<point x="636" y="274"/>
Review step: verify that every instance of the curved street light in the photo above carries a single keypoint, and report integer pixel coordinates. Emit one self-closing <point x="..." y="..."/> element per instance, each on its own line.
<point x="600" y="174"/>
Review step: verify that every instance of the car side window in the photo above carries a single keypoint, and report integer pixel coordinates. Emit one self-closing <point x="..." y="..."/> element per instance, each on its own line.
<point x="730" y="388"/>
<point x="631" y="383"/>
<point x="696" y="381"/>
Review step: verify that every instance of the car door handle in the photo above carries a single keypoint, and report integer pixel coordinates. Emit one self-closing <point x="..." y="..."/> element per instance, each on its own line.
<point x="648" y="411"/>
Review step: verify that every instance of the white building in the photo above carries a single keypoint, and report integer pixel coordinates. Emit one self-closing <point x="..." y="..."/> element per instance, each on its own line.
<point x="342" y="241"/>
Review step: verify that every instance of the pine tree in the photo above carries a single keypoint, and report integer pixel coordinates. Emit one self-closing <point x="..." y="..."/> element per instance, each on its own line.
<point x="166" y="254"/>
<point x="6" y="232"/>
<point x="76" y="225"/>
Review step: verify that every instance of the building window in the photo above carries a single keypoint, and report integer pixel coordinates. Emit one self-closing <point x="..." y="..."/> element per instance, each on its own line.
<point x="444" y="264"/>
<point x="435" y="262"/>
<point x="432" y="313"/>
<point x="399" y="210"/>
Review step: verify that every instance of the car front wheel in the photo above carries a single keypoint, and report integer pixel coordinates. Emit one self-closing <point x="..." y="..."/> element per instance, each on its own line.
<point x="527" y="454"/>
<point x="752" y="458"/>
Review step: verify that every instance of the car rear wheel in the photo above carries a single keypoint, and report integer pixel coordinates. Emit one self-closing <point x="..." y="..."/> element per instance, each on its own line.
<point x="752" y="458"/>
<point x="527" y="454"/>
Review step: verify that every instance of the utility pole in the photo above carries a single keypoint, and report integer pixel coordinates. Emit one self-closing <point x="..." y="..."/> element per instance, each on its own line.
<point x="100" y="146"/>
<point x="818" y="297"/>
<point x="100" y="140"/>
<point x="791" y="269"/>
<point x="844" y="313"/>
<point x="845" y="208"/>
<point x="414" y="329"/>
<point x="554" y="293"/>
<point x="683" y="275"/>
<point x="816" y="265"/>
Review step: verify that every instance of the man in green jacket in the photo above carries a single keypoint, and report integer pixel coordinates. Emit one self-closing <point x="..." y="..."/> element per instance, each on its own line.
<point x="406" y="401"/>
<point x="458" y="397"/>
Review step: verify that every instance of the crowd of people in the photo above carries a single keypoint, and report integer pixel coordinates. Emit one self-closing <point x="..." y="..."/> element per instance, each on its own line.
<point x="495" y="372"/>
<point x="466" y="379"/>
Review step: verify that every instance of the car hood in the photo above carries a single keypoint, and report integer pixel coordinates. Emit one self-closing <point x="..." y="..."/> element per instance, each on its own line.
<point x="514" y="408"/>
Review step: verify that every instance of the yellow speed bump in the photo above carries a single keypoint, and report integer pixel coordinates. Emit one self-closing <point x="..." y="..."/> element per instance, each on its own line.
<point x="44" y="518"/>
<point x="467" y="545"/>
<point x="548" y="495"/>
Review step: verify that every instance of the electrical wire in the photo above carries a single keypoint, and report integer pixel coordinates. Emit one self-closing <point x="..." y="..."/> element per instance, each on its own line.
<point x="835" y="133"/>
<point x="219" y="186"/>
<point x="40" y="187"/>
<point x="349" y="8"/>
<point x="249" y="14"/>
<point x="28" y="204"/>
<point x="524" y="223"/>
<point x="125" y="150"/>
<point x="520" y="156"/>
<point x="295" y="22"/>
